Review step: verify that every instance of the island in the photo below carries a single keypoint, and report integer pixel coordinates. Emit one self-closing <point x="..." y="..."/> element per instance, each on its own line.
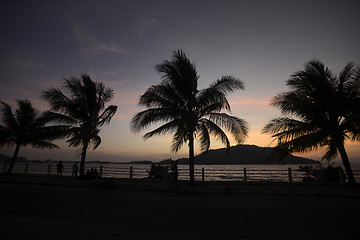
<point x="244" y="155"/>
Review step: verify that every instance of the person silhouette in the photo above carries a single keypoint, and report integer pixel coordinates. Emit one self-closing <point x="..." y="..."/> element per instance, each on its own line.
<point x="95" y="173"/>
<point x="60" y="168"/>
<point x="75" y="170"/>
<point x="175" y="172"/>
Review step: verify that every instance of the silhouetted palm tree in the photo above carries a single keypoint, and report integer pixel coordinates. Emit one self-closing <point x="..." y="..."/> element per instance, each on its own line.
<point x="325" y="109"/>
<point x="188" y="112"/>
<point x="27" y="127"/>
<point x="83" y="108"/>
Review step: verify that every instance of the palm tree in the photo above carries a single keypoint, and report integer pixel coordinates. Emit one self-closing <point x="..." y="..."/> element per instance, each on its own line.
<point x="83" y="108"/>
<point x="325" y="112"/>
<point x="189" y="113"/>
<point x="27" y="127"/>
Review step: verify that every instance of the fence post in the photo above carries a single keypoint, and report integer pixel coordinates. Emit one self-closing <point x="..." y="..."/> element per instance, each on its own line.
<point x="5" y="166"/>
<point x="203" y="174"/>
<point x="245" y="175"/>
<point x="131" y="172"/>
<point x="341" y="175"/>
<point x="49" y="169"/>
<point x="26" y="168"/>
<point x="101" y="171"/>
<point x="290" y="175"/>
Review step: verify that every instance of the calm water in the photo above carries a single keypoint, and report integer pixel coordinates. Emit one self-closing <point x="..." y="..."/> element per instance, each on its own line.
<point x="277" y="173"/>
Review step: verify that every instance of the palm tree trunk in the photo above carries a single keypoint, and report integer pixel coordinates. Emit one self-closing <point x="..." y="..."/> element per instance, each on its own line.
<point x="17" y="148"/>
<point x="82" y="161"/>
<point x="191" y="159"/>
<point x="346" y="162"/>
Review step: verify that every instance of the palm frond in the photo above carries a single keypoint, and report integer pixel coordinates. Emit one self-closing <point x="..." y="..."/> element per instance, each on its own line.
<point x="147" y="117"/>
<point x="216" y="93"/>
<point x="353" y="129"/>
<point x="238" y="127"/>
<point x="8" y="117"/>
<point x="74" y="87"/>
<point x="59" y="101"/>
<point x="107" y="115"/>
<point x="169" y="127"/>
<point x="162" y="95"/>
<point x="42" y="144"/>
<point x="214" y="107"/>
<point x="96" y="141"/>
<point x="307" y="143"/>
<point x="297" y="104"/>
<point x="181" y="74"/>
<point x="332" y="151"/>
<point x="57" y="118"/>
<point x="106" y="95"/>
<point x="346" y="76"/>
<point x="287" y="126"/>
<point x="6" y="136"/>
<point x="215" y="130"/>
<point x="25" y="114"/>
<point x="227" y="84"/>
<point x="75" y="141"/>
<point x="301" y="144"/>
<point x="212" y="101"/>
<point x="204" y="136"/>
<point x="180" y="137"/>
<point x="51" y="133"/>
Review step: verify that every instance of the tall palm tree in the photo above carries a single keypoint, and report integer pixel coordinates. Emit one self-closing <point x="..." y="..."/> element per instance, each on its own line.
<point x="324" y="111"/>
<point x="27" y="127"/>
<point x="189" y="113"/>
<point x="82" y="107"/>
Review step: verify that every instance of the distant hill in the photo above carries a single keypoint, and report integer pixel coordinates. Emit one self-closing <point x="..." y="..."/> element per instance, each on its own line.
<point x="4" y="158"/>
<point x="244" y="154"/>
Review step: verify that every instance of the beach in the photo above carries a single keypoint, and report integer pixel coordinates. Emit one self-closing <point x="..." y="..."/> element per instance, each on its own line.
<point x="41" y="207"/>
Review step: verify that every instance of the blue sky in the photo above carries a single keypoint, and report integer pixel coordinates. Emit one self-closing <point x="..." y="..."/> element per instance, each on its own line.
<point x="120" y="42"/>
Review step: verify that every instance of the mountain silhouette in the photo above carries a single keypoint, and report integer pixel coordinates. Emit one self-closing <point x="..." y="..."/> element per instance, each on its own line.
<point x="4" y="158"/>
<point x="244" y="154"/>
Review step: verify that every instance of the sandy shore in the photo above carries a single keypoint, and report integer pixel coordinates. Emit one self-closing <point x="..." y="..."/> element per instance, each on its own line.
<point x="41" y="207"/>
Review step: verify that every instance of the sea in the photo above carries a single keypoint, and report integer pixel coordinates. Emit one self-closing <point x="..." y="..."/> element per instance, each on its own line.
<point x="271" y="173"/>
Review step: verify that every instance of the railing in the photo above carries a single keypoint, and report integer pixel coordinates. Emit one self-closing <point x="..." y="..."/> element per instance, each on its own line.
<point x="250" y="175"/>
<point x="201" y="174"/>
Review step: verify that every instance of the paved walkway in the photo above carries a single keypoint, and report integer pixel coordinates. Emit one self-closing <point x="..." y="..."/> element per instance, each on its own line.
<point x="42" y="208"/>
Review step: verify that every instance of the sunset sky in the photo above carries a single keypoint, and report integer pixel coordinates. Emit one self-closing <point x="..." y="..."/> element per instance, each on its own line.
<point x="119" y="43"/>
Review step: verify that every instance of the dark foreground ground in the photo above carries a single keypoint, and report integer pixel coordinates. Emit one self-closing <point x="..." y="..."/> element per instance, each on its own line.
<point x="65" y="211"/>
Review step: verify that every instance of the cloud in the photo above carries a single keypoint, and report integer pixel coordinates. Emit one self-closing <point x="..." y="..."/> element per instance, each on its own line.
<point x="22" y="60"/>
<point x="91" y="44"/>
<point x="11" y="92"/>
<point x="82" y="34"/>
<point x="145" y="25"/>
<point x="109" y="47"/>
<point x="122" y="117"/>
<point x="250" y="102"/>
<point x="26" y="63"/>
